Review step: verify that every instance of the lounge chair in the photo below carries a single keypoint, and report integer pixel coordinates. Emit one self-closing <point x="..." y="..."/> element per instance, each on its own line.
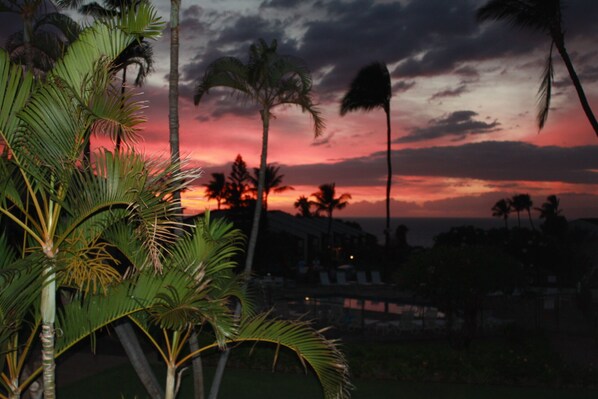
<point x="376" y="279"/>
<point x="341" y="278"/>
<point x="324" y="279"/>
<point x="362" y="279"/>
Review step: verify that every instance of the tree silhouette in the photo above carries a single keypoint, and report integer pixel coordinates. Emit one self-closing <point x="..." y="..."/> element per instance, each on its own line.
<point x="268" y="79"/>
<point x="216" y="188"/>
<point x="544" y="16"/>
<point x="554" y="222"/>
<point x="237" y="187"/>
<point x="303" y="205"/>
<point x="327" y="202"/>
<point x="272" y="182"/>
<point x="502" y="209"/>
<point x="371" y="89"/>
<point x="520" y="203"/>
<point x="139" y="53"/>
<point x="550" y="208"/>
<point x="45" y="35"/>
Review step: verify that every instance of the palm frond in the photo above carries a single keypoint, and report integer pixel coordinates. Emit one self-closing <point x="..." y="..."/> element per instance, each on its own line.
<point x="89" y="267"/>
<point x="227" y="72"/>
<point x="65" y="25"/>
<point x="85" y="314"/>
<point x="141" y="21"/>
<point x="20" y="283"/>
<point x="212" y="247"/>
<point x="545" y="90"/>
<point x="370" y="89"/>
<point x="312" y="348"/>
<point x="117" y="114"/>
<point x="523" y="13"/>
<point x="15" y="88"/>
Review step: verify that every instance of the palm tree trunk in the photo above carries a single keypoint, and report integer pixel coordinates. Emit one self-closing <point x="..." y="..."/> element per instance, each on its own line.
<point x="170" y="382"/>
<point x="173" y="88"/>
<point x="130" y="343"/>
<point x="122" y="105"/>
<point x="198" y="383"/>
<point x="173" y="124"/>
<point x="529" y="215"/>
<point x="518" y="220"/>
<point x="48" y="313"/>
<point x="329" y="233"/>
<point x="388" y="179"/>
<point x="560" y="45"/>
<point x="265" y="113"/>
<point x="27" y="31"/>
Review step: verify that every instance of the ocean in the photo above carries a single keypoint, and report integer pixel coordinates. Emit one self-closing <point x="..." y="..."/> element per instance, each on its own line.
<point x="421" y="231"/>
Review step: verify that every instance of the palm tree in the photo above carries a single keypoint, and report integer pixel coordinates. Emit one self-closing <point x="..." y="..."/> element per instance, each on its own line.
<point x="44" y="38"/>
<point x="272" y="182"/>
<point x="327" y="202"/>
<point x="138" y="53"/>
<point x="544" y="16"/>
<point x="173" y="86"/>
<point x="206" y="260"/>
<point x="270" y="80"/>
<point x="522" y="202"/>
<point x="554" y="222"/>
<point x="66" y="208"/>
<point x="371" y="89"/>
<point x="550" y="208"/>
<point x="303" y="204"/>
<point x="502" y="209"/>
<point x="216" y="188"/>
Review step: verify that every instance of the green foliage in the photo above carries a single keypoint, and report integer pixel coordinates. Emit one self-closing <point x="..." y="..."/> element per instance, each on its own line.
<point x="457" y="275"/>
<point x="520" y="358"/>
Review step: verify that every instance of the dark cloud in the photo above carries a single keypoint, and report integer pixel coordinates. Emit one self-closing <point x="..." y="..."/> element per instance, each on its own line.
<point x="280" y="4"/>
<point x="402" y="86"/>
<point x="357" y="32"/>
<point x="505" y="160"/>
<point x="491" y="160"/>
<point x="457" y="124"/>
<point x="467" y="71"/>
<point x="456" y="92"/>
<point x="423" y="37"/>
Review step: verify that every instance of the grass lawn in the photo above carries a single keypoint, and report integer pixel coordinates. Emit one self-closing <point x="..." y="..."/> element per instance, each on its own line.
<point x="121" y="382"/>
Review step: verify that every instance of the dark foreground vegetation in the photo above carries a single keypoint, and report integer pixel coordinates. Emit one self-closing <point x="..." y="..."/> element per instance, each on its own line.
<point x="516" y="365"/>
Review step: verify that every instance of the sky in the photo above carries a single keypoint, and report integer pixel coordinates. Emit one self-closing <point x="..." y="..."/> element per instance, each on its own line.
<point x="463" y="111"/>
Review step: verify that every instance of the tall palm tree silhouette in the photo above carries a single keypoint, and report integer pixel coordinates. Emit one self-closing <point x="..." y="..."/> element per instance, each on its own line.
<point x="303" y="205"/>
<point x="550" y="208"/>
<point x="520" y="203"/>
<point x="216" y="188"/>
<point x="544" y="16"/>
<point x="326" y="201"/>
<point x="268" y="79"/>
<point x="272" y="182"/>
<point x="371" y="89"/>
<point x="502" y="209"/>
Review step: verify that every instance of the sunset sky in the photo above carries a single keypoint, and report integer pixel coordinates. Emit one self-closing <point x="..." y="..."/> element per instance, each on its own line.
<point x="463" y="108"/>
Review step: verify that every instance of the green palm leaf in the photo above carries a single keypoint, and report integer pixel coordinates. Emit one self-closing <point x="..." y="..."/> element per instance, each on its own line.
<point x="15" y="88"/>
<point x="312" y="348"/>
<point x="88" y="313"/>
